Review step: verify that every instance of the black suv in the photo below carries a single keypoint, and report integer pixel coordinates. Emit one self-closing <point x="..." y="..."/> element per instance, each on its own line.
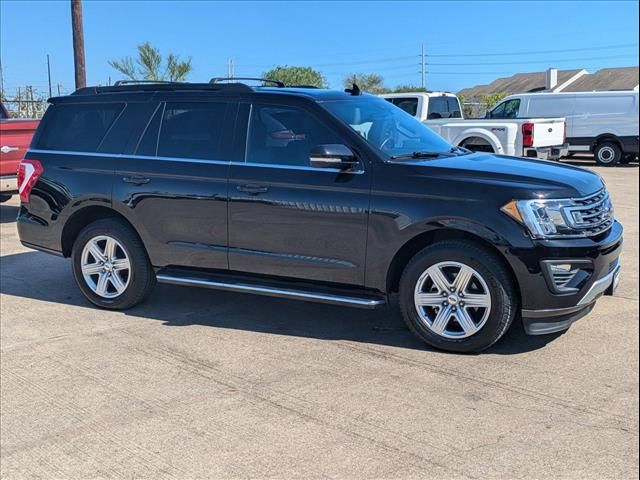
<point x="336" y="197"/>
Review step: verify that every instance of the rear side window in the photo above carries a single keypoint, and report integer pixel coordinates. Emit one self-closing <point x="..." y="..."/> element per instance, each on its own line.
<point x="454" y="107"/>
<point x="408" y="104"/>
<point x="192" y="130"/>
<point x="78" y="127"/>
<point x="438" y="108"/>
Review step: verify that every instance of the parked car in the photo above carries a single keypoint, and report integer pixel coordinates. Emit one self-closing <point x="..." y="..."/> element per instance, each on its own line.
<point x="309" y="194"/>
<point x="603" y="123"/>
<point x="542" y="138"/>
<point x="15" y="137"/>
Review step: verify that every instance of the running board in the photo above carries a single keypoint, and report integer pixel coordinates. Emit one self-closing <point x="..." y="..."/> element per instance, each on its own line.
<point x="218" y="282"/>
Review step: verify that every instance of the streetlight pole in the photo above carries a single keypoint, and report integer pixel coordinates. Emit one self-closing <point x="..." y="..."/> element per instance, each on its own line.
<point x="78" y="43"/>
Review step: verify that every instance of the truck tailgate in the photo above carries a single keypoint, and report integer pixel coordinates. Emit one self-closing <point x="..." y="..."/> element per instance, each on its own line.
<point x="548" y="132"/>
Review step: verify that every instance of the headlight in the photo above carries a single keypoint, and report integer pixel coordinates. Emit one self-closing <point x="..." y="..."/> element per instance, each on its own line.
<point x="563" y="218"/>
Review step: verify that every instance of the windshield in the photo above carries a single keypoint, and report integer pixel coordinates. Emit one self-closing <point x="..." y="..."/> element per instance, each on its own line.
<point x="387" y="127"/>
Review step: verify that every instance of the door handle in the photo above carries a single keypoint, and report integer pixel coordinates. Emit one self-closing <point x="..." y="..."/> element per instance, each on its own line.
<point x="136" y="180"/>
<point x="7" y="149"/>
<point x="252" y="189"/>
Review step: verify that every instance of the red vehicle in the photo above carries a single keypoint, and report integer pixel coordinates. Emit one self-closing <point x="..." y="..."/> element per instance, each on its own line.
<point x="15" y="137"/>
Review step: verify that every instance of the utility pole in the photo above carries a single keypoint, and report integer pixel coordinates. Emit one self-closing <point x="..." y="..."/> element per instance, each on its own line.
<point x="423" y="68"/>
<point x="1" y="81"/>
<point x="78" y="43"/>
<point x="58" y="87"/>
<point x="230" y="72"/>
<point x="49" y="75"/>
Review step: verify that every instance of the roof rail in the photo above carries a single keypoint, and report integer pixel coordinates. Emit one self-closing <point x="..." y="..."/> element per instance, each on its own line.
<point x="218" y="80"/>
<point x="144" y="82"/>
<point x="163" y="87"/>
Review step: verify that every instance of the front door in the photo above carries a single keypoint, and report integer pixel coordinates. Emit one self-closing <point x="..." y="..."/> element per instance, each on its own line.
<point x="287" y="218"/>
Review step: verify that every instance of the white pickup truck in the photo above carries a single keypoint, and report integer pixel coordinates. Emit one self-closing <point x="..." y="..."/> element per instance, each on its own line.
<point x="542" y="138"/>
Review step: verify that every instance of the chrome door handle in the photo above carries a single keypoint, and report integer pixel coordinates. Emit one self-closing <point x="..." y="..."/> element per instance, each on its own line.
<point x="252" y="189"/>
<point x="136" y="180"/>
<point x="7" y="149"/>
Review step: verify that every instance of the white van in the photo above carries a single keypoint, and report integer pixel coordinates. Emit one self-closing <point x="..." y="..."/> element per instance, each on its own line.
<point x="604" y="123"/>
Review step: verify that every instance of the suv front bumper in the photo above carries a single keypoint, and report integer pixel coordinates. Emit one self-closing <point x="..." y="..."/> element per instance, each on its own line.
<point x="542" y="322"/>
<point x="547" y="308"/>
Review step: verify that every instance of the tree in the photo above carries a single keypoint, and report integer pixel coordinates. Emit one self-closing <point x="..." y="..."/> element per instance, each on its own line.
<point x="293" y="75"/>
<point x="408" y="88"/>
<point x="491" y="100"/>
<point x="148" y="65"/>
<point x="367" y="82"/>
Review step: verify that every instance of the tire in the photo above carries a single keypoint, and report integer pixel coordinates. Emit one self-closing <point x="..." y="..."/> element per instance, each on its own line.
<point x="4" y="198"/>
<point x="628" y="158"/>
<point x="607" y="154"/>
<point x="131" y="277"/>
<point x="489" y="280"/>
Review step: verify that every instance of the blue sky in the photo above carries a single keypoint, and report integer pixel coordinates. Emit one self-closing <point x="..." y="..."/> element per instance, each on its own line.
<point x="336" y="37"/>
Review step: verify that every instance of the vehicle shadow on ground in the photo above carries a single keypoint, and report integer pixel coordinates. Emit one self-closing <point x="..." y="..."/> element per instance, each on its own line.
<point x="38" y="276"/>
<point x="8" y="213"/>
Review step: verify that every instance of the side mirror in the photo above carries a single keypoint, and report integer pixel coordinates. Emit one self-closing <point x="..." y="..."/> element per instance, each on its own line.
<point x="333" y="155"/>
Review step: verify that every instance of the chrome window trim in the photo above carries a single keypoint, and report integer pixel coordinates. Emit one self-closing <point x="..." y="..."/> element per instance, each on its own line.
<point x="193" y="160"/>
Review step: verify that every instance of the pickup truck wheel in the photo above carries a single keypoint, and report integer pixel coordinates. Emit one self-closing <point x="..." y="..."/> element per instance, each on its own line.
<point x="607" y="154"/>
<point x="110" y="265"/>
<point x="457" y="296"/>
<point x="4" y="198"/>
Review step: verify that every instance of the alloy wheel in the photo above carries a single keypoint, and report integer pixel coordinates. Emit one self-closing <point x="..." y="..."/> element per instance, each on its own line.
<point x="452" y="300"/>
<point x="106" y="267"/>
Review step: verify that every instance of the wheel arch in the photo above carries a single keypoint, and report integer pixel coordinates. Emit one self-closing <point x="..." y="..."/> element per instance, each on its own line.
<point x="607" y="137"/>
<point x="83" y="217"/>
<point x="423" y="240"/>
<point x="491" y="139"/>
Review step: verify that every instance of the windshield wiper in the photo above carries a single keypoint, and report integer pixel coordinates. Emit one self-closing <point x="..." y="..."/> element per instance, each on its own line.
<point x="423" y="155"/>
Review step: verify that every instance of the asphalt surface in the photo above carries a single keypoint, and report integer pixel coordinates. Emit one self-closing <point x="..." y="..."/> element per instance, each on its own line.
<point x="197" y="383"/>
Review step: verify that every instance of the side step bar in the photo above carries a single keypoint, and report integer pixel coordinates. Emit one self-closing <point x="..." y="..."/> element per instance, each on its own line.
<point x="231" y="285"/>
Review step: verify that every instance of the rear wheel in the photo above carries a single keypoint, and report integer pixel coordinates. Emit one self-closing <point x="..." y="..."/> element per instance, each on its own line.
<point x="457" y="296"/>
<point x="608" y="154"/>
<point x="110" y="265"/>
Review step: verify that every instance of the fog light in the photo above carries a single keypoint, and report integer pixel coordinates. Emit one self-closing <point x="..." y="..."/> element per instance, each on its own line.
<point x="567" y="276"/>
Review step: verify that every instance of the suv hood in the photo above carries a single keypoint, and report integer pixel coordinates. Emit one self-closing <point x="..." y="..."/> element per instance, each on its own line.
<point x="536" y="178"/>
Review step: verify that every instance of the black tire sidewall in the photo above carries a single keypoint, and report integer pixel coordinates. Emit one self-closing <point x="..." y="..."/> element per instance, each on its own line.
<point x="141" y="272"/>
<point x="503" y="299"/>
<point x="617" y="157"/>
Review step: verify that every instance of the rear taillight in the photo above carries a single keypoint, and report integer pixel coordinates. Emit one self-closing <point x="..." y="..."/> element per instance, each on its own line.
<point x="28" y="173"/>
<point x="527" y="135"/>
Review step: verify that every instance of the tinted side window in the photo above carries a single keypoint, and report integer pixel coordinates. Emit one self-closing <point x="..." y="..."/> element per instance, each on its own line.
<point x="454" y="107"/>
<point x="192" y="130"/>
<point x="438" y="108"/>
<point x="409" y="105"/>
<point x="284" y="135"/>
<point x="511" y="108"/>
<point x="78" y="127"/>
<point x="497" y="112"/>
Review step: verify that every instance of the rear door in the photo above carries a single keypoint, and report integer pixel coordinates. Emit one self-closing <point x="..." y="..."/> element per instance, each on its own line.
<point x="287" y="218"/>
<point x="173" y="182"/>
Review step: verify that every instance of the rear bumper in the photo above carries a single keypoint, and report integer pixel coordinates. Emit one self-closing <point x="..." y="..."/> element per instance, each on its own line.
<point x="545" y="321"/>
<point x="8" y="184"/>
<point x="547" y="153"/>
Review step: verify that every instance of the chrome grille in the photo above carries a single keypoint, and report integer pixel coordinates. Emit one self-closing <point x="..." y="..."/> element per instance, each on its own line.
<point x="592" y="215"/>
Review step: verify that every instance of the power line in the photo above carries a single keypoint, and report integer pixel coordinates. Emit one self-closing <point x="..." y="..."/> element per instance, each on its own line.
<point x="506" y="54"/>
<point x="528" y="62"/>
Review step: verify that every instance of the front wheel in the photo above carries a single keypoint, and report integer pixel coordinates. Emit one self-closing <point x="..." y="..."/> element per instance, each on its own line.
<point x="110" y="265"/>
<point x="457" y="296"/>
